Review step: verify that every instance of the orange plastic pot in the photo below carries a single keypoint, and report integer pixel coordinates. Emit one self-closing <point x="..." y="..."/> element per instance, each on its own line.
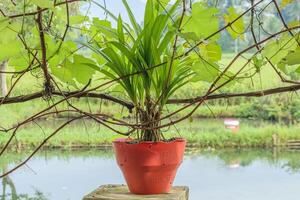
<point x="149" y="167"/>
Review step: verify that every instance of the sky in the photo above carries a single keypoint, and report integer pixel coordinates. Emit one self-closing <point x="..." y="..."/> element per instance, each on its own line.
<point x="116" y="6"/>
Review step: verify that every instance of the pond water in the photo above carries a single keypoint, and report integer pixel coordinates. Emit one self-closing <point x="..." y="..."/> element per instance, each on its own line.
<point x="210" y="174"/>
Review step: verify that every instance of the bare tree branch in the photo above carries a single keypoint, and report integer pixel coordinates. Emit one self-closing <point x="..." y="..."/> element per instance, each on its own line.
<point x="74" y="94"/>
<point x="291" y="88"/>
<point x="47" y="83"/>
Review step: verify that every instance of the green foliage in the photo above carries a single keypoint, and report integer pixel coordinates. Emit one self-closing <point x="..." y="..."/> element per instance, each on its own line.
<point x="129" y="49"/>
<point x="237" y="27"/>
<point x="43" y="3"/>
<point x="258" y="63"/>
<point x="276" y="50"/>
<point x="211" y="52"/>
<point x="278" y="108"/>
<point x="293" y="57"/>
<point x="19" y="35"/>
<point x="206" y="67"/>
<point x="4" y="22"/>
<point x="10" y="46"/>
<point x="81" y="69"/>
<point x="284" y="53"/>
<point x="202" y="23"/>
<point x="205" y="71"/>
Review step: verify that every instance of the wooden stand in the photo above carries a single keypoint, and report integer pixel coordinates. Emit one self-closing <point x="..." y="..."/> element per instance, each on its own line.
<point x="120" y="192"/>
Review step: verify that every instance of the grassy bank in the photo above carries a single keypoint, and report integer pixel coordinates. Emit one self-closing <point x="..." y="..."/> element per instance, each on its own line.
<point x="279" y="108"/>
<point x="203" y="133"/>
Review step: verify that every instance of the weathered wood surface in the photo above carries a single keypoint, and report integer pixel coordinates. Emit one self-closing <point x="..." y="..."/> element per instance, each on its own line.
<point x="293" y="144"/>
<point x="289" y="144"/>
<point x="121" y="192"/>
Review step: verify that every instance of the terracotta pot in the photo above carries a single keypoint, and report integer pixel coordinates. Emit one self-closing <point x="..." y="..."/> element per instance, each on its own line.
<point x="149" y="167"/>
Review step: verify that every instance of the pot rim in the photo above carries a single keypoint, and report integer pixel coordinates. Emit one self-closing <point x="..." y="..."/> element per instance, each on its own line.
<point x="126" y="140"/>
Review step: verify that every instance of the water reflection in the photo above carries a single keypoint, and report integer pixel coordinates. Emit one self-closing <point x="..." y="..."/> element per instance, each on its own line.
<point x="66" y="174"/>
<point x="234" y="158"/>
<point x="9" y="191"/>
<point x="7" y="184"/>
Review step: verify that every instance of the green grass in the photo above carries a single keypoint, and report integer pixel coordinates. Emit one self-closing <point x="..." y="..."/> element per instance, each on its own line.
<point x="211" y="133"/>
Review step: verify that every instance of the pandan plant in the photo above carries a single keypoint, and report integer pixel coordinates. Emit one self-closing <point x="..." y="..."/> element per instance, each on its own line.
<point x="144" y="59"/>
<point x="151" y="50"/>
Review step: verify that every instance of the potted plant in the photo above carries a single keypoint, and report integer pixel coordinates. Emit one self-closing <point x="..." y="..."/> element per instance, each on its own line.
<point x="150" y="161"/>
<point x="175" y="45"/>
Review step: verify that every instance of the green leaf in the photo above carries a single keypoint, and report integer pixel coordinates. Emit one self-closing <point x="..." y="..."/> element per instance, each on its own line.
<point x="118" y="89"/>
<point x="205" y="71"/>
<point x="203" y="21"/>
<point x="237" y="28"/>
<point x="164" y="3"/>
<point x="20" y="61"/>
<point x="282" y="67"/>
<point x="63" y="73"/>
<point x="226" y="78"/>
<point x="9" y="45"/>
<point x="43" y="3"/>
<point x="124" y="51"/>
<point x="120" y="29"/>
<point x="4" y="22"/>
<point x="189" y="36"/>
<point x="208" y="72"/>
<point x="104" y="27"/>
<point x="56" y="57"/>
<point x="276" y="50"/>
<point x="211" y="52"/>
<point x="258" y="63"/>
<point x="81" y="69"/>
<point x="132" y="19"/>
<point x="293" y="57"/>
<point x="165" y="41"/>
<point x="7" y="36"/>
<point x="149" y="12"/>
<point x="298" y="70"/>
<point x="78" y="19"/>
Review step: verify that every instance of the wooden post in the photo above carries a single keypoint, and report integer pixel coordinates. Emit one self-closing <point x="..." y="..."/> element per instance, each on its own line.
<point x="121" y="192"/>
<point x="275" y="140"/>
<point x="3" y="85"/>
